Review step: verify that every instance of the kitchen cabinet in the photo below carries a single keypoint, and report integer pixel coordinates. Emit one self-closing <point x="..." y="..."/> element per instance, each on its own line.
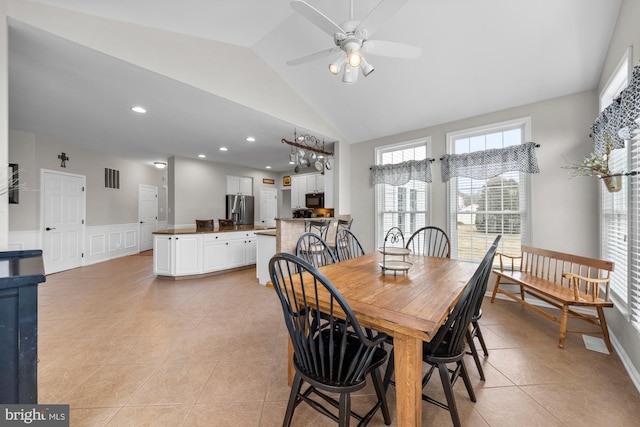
<point x="242" y="248"/>
<point x="298" y="190"/>
<point x="239" y="185"/>
<point x="215" y="252"/>
<point x="315" y="183"/>
<point x="186" y="254"/>
<point x="177" y="255"/>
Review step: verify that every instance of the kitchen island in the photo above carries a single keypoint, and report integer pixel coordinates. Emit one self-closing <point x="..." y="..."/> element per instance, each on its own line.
<point x="184" y="253"/>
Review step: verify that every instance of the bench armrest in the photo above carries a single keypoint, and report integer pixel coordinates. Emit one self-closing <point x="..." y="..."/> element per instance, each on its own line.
<point x="591" y="285"/>
<point x="511" y="259"/>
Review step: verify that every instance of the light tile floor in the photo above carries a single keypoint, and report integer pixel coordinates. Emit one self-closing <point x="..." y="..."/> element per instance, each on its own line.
<point x="124" y="348"/>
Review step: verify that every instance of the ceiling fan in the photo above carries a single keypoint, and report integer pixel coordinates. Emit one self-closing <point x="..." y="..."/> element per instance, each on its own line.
<point x="351" y="39"/>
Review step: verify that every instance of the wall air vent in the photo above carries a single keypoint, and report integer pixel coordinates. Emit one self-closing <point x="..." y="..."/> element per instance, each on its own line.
<point x="111" y="178"/>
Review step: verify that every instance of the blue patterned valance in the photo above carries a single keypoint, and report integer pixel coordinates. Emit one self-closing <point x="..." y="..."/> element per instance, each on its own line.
<point x="489" y="163"/>
<point x="617" y="121"/>
<point x="401" y="173"/>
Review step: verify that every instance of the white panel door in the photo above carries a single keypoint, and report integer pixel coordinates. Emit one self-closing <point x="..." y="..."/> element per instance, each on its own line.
<point x="268" y="206"/>
<point x="63" y="210"/>
<point x="147" y="215"/>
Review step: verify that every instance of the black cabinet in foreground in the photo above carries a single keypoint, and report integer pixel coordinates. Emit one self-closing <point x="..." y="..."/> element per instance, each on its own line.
<point x="20" y="274"/>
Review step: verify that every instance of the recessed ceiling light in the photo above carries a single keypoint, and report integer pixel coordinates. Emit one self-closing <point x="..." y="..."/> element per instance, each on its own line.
<point x="138" y="109"/>
<point x="160" y="165"/>
<point x="223" y="148"/>
<point x="202" y="156"/>
<point x="292" y="163"/>
<point x="268" y="167"/>
<point x="251" y="139"/>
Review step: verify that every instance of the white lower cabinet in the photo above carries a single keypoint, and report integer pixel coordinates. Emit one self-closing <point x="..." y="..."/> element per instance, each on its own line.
<point x="177" y="255"/>
<point x="242" y="248"/>
<point x="189" y="254"/>
<point x="215" y="252"/>
<point x="163" y="255"/>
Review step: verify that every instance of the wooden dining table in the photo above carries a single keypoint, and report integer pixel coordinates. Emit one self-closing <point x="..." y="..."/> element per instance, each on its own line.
<point x="409" y="306"/>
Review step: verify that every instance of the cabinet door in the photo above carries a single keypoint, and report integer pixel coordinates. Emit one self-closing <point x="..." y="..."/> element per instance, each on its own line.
<point x="246" y="186"/>
<point x="298" y="187"/>
<point x="251" y="251"/>
<point x="162" y="255"/>
<point x="233" y="184"/>
<point x="320" y="183"/>
<point x="188" y="254"/>
<point x="215" y="256"/>
<point x="236" y="252"/>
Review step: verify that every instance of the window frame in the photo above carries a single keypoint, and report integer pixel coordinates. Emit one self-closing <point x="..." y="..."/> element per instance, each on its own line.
<point x="618" y="81"/>
<point x="378" y="153"/>
<point x="525" y="124"/>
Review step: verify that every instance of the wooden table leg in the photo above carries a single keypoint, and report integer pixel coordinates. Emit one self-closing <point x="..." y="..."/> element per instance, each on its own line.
<point x="408" y="373"/>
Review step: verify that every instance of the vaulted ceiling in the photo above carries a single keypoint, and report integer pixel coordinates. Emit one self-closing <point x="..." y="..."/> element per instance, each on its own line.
<point x="477" y="57"/>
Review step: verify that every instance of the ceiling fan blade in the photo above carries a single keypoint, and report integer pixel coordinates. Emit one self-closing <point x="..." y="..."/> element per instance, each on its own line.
<point x="380" y="14"/>
<point x="316" y="17"/>
<point x="313" y="56"/>
<point x="391" y="49"/>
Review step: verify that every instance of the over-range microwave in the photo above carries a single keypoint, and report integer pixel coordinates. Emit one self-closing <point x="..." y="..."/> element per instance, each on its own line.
<point x="314" y="200"/>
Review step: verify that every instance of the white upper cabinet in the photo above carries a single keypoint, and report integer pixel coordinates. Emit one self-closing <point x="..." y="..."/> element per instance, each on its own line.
<point x="315" y="183"/>
<point x="239" y="185"/>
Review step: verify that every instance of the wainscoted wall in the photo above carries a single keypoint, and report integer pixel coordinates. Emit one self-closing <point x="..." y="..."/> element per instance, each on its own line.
<point x="102" y="243"/>
<point x="22" y="240"/>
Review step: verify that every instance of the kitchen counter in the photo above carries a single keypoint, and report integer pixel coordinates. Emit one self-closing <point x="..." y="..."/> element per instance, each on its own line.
<point x="269" y="232"/>
<point x="177" y="231"/>
<point x="190" y="253"/>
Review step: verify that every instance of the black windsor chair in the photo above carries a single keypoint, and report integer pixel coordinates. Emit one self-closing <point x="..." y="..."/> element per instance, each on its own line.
<point x="324" y="356"/>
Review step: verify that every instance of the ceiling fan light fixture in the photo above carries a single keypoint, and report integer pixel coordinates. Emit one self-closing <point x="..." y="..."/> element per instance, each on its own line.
<point x="366" y="67"/>
<point x="354" y="58"/>
<point x="336" y="65"/>
<point x="350" y="75"/>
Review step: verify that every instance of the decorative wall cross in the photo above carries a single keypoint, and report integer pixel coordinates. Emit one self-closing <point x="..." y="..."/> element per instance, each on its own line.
<point x="63" y="157"/>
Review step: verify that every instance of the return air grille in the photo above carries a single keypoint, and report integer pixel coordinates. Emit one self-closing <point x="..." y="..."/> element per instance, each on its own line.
<point x="111" y="178"/>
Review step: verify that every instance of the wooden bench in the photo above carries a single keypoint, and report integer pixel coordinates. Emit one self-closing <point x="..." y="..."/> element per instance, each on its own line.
<point x="562" y="280"/>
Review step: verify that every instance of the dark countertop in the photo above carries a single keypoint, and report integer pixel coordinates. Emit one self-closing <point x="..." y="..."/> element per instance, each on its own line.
<point x="270" y="232"/>
<point x="215" y="230"/>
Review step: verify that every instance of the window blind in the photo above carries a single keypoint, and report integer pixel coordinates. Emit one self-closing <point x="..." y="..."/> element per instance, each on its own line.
<point x="634" y="240"/>
<point x="404" y="206"/>
<point x="480" y="209"/>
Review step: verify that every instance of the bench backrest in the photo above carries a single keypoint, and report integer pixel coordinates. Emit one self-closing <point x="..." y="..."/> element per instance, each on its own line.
<point x="555" y="266"/>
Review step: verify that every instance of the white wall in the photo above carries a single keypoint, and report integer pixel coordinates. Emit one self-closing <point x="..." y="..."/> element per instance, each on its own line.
<point x="197" y="189"/>
<point x="560" y="126"/>
<point x="4" y="127"/>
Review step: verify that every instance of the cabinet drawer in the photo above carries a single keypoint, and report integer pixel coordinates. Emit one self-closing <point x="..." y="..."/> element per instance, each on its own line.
<point x="216" y="237"/>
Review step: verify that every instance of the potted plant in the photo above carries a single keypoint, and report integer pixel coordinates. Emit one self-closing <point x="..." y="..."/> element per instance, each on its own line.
<point x="598" y="166"/>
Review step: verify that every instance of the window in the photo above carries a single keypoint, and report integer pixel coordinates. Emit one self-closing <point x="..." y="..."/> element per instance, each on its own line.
<point x="406" y="206"/>
<point x="480" y="209"/>
<point x="614" y="206"/>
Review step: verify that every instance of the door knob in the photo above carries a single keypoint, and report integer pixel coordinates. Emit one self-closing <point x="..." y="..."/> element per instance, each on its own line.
<point x="50" y="228"/>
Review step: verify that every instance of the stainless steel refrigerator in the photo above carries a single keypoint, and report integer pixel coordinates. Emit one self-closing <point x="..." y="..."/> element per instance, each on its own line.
<point x="240" y="209"/>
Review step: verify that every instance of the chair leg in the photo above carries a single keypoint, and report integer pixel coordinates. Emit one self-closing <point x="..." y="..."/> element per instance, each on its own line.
<point x="476" y="327"/>
<point x="448" y="392"/>
<point x="293" y="396"/>
<point x="474" y="352"/>
<point x="467" y="380"/>
<point x="344" y="414"/>
<point x="378" y="384"/>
